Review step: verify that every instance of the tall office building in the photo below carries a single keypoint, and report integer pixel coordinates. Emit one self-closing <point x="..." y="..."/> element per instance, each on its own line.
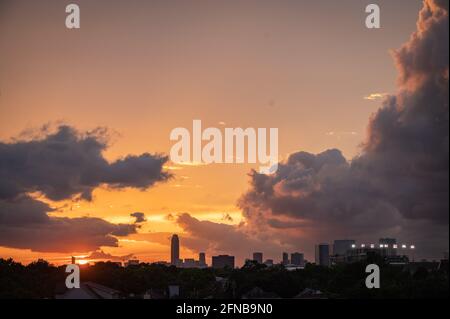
<point x="285" y="259"/>
<point x="202" y="259"/>
<point x="223" y="261"/>
<point x="323" y="255"/>
<point x="258" y="257"/>
<point x="341" y="246"/>
<point x="175" y="250"/>
<point x="297" y="259"/>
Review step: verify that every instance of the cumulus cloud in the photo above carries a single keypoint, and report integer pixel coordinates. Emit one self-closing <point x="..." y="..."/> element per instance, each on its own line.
<point x="398" y="186"/>
<point x="65" y="164"/>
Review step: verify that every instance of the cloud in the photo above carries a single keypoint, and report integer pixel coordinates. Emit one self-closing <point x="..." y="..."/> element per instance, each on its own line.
<point x="139" y="217"/>
<point x="100" y="254"/>
<point x="227" y="218"/>
<point x="375" y="96"/>
<point x="25" y="224"/>
<point x="23" y="210"/>
<point x="65" y="164"/>
<point x="398" y="185"/>
<point x="339" y="134"/>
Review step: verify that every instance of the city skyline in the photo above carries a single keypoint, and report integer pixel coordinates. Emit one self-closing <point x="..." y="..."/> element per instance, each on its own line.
<point x="323" y="256"/>
<point x="340" y="247"/>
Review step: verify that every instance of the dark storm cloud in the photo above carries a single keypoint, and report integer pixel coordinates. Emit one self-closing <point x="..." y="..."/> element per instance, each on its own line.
<point x="23" y="210"/>
<point x="25" y="224"/>
<point x="400" y="180"/>
<point x="139" y="217"/>
<point x="67" y="163"/>
<point x="321" y="188"/>
<point x="407" y="151"/>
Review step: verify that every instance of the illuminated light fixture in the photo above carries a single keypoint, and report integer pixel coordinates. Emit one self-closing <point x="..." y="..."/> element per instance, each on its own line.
<point x="395" y="246"/>
<point x="413" y="247"/>
<point x="372" y="246"/>
<point x="353" y="246"/>
<point x="381" y="245"/>
<point x="363" y="245"/>
<point x="386" y="246"/>
<point x="403" y="246"/>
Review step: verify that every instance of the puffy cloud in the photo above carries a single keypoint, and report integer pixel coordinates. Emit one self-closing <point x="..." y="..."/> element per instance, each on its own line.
<point x="65" y="164"/>
<point x="398" y="186"/>
<point x="407" y="150"/>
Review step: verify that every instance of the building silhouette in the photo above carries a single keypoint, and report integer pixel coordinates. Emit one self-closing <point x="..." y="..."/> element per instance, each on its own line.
<point x="285" y="259"/>
<point x="175" y="250"/>
<point x="189" y="263"/>
<point x="258" y="257"/>
<point x="202" y="259"/>
<point x="223" y="261"/>
<point x="323" y="255"/>
<point x="341" y="246"/>
<point x="297" y="259"/>
<point x="390" y="244"/>
<point x="132" y="262"/>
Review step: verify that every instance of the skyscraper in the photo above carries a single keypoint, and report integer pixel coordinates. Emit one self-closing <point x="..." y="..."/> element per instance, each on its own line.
<point x="175" y="250"/>
<point x="223" y="261"/>
<point x="285" y="259"/>
<point x="202" y="259"/>
<point x="323" y="255"/>
<point x="297" y="259"/>
<point x="258" y="257"/>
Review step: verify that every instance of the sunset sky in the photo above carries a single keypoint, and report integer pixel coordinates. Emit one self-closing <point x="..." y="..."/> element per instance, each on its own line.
<point x="141" y="68"/>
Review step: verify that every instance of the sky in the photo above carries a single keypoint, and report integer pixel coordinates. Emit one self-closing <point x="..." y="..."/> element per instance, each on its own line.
<point x="85" y="118"/>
